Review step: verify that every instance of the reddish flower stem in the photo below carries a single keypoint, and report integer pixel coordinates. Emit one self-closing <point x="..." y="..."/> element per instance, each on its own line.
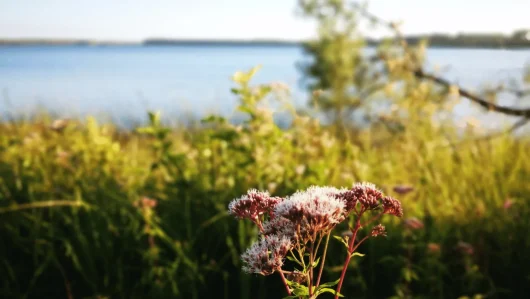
<point x="347" y="261"/>
<point x="284" y="282"/>
<point x="374" y="218"/>
<point x="311" y="261"/>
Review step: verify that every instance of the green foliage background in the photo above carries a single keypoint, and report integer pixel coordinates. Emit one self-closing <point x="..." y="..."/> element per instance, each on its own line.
<point x="72" y="223"/>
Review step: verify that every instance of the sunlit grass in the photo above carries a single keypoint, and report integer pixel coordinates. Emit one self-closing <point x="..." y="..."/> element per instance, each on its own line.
<point x="472" y="193"/>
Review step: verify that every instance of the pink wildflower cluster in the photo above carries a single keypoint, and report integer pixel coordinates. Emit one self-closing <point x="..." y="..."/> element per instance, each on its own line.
<point x="253" y="205"/>
<point x="312" y="211"/>
<point x="366" y="197"/>
<point x="305" y="216"/>
<point x="378" y="230"/>
<point x="267" y="255"/>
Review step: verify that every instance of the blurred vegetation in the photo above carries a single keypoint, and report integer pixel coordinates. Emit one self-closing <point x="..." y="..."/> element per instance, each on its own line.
<point x="90" y="211"/>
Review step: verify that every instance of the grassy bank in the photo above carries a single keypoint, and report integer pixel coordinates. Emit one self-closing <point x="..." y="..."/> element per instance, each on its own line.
<point x="89" y="211"/>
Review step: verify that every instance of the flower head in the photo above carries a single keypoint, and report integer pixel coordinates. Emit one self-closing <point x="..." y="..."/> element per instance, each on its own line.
<point x="365" y="194"/>
<point x="267" y="255"/>
<point x="413" y="223"/>
<point x="146" y="203"/>
<point x="297" y="276"/>
<point x="378" y="230"/>
<point x="253" y="204"/>
<point x="433" y="248"/>
<point x="392" y="206"/>
<point x="403" y="189"/>
<point x="508" y="203"/>
<point x="279" y="226"/>
<point x="465" y="248"/>
<point x="317" y="209"/>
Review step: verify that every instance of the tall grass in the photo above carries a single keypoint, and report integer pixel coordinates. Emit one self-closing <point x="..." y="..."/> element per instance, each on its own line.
<point x="90" y="211"/>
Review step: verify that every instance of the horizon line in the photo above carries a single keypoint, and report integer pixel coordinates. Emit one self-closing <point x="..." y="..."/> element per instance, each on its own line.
<point x="250" y="39"/>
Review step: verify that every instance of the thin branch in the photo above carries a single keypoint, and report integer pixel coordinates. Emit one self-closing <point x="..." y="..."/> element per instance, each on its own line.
<point x="284" y="281"/>
<point x="419" y="73"/>
<point x="524" y="112"/>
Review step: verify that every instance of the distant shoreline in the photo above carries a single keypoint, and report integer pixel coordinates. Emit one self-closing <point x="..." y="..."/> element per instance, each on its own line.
<point x="468" y="41"/>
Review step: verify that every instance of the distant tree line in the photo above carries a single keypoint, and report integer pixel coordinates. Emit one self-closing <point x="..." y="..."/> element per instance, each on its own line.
<point x="518" y="39"/>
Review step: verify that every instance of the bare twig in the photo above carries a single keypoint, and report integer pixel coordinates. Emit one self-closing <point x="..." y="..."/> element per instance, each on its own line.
<point x="524" y="112"/>
<point x="419" y="73"/>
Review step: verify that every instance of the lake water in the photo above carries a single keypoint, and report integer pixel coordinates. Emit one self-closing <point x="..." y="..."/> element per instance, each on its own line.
<point x="122" y="82"/>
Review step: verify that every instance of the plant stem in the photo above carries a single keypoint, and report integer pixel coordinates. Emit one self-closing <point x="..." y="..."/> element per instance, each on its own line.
<point x="323" y="260"/>
<point x="260" y="226"/>
<point x="357" y="245"/>
<point x="284" y="282"/>
<point x="373" y="219"/>
<point x="294" y="257"/>
<point x="301" y="257"/>
<point x="318" y="244"/>
<point x="311" y="261"/>
<point x="347" y="261"/>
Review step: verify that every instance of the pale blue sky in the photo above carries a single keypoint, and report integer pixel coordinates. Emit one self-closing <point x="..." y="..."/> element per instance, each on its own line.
<point x="133" y="20"/>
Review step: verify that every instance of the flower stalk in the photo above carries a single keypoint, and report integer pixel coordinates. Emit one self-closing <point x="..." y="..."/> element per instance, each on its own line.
<point x="295" y="226"/>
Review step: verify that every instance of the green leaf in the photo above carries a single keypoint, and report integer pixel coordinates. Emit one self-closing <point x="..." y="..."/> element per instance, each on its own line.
<point x="213" y="118"/>
<point x="146" y="130"/>
<point x="292" y="259"/>
<point x="301" y="291"/>
<point x="315" y="263"/>
<point x="329" y="284"/>
<point x="409" y="275"/>
<point x="244" y="78"/>
<point x="245" y="109"/>
<point x="263" y="91"/>
<point x="328" y="290"/>
<point x="239" y="77"/>
<point x="341" y="239"/>
<point x="253" y="71"/>
<point x="154" y="118"/>
<point x="357" y="254"/>
<point x="298" y="289"/>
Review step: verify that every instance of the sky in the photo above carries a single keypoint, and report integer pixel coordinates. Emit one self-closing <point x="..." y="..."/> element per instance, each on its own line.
<point x="134" y="20"/>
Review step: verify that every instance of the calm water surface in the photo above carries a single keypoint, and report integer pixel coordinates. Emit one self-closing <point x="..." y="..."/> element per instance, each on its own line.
<point x="122" y="82"/>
